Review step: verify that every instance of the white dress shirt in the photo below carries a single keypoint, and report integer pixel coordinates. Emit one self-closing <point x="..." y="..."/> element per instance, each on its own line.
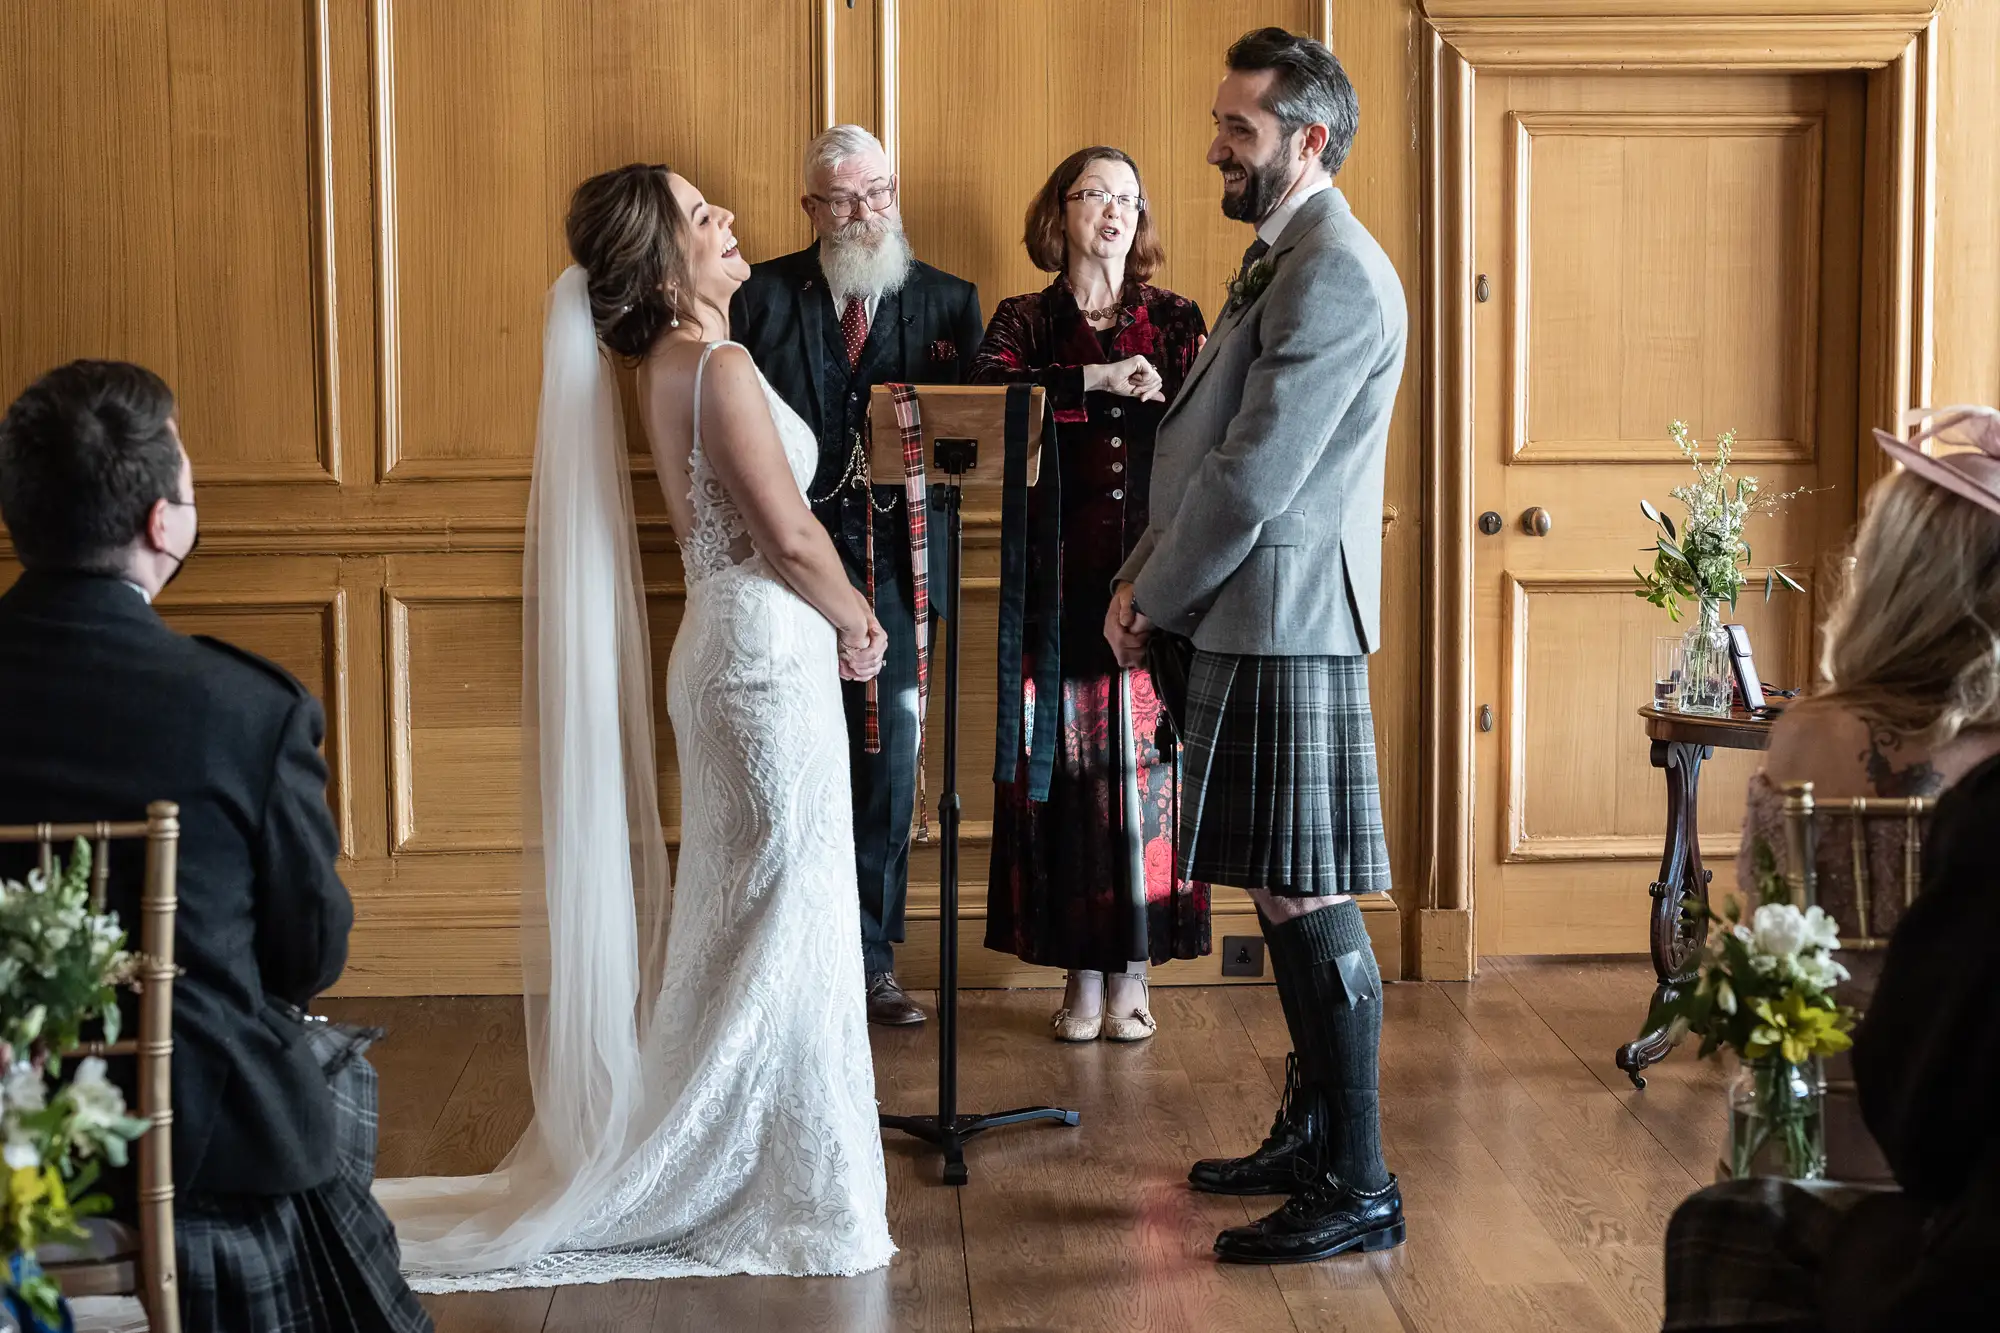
<point x="868" y="308"/>
<point x="1274" y="226"/>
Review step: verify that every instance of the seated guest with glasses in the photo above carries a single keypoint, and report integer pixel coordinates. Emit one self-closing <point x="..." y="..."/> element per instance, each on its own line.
<point x="850" y="311"/>
<point x="107" y="709"/>
<point x="1087" y="879"/>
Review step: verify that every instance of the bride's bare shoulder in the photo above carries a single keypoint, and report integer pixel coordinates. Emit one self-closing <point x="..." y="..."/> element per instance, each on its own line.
<point x="727" y="372"/>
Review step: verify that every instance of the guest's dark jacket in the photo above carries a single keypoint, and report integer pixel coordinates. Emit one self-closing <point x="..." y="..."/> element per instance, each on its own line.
<point x="924" y="333"/>
<point x="1103" y="441"/>
<point x="1927" y="1063"/>
<point x="104" y="709"/>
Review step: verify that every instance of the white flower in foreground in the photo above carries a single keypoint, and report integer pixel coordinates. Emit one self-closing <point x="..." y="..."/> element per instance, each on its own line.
<point x="1725" y="998"/>
<point x="1821" y="972"/>
<point x="1780" y="929"/>
<point x="99" y="1103"/>
<point x="24" y="1089"/>
<point x="1822" y="931"/>
<point x="20" y="1152"/>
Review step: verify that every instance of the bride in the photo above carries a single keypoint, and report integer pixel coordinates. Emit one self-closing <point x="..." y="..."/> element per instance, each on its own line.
<point x="704" y="1095"/>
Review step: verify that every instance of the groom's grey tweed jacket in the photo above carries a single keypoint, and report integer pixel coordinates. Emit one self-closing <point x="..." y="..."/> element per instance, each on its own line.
<point x="1266" y="531"/>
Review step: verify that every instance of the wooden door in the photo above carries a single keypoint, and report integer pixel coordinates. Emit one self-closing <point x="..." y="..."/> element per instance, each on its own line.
<point x="1654" y="247"/>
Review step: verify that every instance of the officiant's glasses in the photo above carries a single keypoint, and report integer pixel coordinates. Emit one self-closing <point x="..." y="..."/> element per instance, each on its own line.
<point x="846" y="207"/>
<point x="1127" y="203"/>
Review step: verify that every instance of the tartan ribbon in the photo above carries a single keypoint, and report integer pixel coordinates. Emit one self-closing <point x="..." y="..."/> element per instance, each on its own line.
<point x="909" y="426"/>
<point x="1017" y="516"/>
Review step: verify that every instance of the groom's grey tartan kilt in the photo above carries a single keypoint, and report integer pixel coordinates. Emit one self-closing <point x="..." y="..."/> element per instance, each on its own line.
<point x="1279" y="781"/>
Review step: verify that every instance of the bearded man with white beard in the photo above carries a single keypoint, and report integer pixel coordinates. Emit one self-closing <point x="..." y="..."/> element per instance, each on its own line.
<point x="853" y="310"/>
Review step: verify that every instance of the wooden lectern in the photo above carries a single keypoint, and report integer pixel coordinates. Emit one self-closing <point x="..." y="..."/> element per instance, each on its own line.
<point x="964" y="442"/>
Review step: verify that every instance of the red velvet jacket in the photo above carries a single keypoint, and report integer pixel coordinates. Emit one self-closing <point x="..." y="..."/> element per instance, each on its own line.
<point x="1103" y="442"/>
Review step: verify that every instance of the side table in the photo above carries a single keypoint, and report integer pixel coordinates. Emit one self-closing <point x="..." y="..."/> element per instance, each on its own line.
<point x="1680" y="742"/>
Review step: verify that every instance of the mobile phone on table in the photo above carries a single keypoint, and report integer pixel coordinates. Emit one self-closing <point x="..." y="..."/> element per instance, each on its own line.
<point x="1745" y="667"/>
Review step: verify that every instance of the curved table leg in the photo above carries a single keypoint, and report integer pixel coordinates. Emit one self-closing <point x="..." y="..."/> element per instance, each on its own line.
<point x="1680" y="898"/>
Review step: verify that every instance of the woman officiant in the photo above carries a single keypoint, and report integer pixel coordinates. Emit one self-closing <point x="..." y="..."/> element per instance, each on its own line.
<point x="1087" y="880"/>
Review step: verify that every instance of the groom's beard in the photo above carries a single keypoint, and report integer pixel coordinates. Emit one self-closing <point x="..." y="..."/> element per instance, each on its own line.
<point x="1263" y="186"/>
<point x="867" y="258"/>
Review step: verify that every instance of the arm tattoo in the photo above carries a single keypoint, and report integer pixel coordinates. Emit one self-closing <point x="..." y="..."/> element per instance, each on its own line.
<point x="1914" y="779"/>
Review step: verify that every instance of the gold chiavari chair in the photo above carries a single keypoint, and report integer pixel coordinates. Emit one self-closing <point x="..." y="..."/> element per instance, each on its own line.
<point x="1852" y="1154"/>
<point x="1803" y="815"/>
<point x="94" y="1272"/>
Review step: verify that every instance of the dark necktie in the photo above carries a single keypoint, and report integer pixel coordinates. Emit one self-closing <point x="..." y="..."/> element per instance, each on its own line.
<point x="854" y="329"/>
<point x="1258" y="249"/>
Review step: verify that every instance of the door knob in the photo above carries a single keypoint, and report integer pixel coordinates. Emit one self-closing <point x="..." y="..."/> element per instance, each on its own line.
<point x="1535" y="521"/>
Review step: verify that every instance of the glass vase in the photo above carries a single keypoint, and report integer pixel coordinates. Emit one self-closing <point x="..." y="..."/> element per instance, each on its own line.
<point x="1777" y="1120"/>
<point x="1705" y="685"/>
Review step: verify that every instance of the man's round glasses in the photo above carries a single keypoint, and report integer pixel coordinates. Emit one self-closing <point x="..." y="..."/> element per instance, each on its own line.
<point x="1127" y="203"/>
<point x="848" y="206"/>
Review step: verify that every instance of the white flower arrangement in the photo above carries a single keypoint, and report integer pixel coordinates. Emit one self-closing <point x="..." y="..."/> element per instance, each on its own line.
<point x="1766" y="992"/>
<point x="1766" y="986"/>
<point x="61" y="965"/>
<point x="1704" y="558"/>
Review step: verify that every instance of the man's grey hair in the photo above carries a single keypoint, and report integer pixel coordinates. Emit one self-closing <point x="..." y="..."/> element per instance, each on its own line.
<point x="1309" y="88"/>
<point x="829" y="148"/>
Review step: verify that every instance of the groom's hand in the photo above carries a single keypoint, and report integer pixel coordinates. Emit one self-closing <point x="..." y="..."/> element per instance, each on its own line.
<point x="863" y="660"/>
<point x="1125" y="629"/>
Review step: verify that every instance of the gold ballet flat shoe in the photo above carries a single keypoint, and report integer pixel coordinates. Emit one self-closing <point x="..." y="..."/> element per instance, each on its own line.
<point x="1071" y="1027"/>
<point x="1135" y="1026"/>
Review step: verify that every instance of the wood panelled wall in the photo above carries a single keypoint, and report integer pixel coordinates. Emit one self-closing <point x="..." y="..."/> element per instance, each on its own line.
<point x="330" y="224"/>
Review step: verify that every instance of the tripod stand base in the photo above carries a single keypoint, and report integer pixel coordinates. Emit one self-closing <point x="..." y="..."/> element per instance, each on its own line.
<point x="950" y="1136"/>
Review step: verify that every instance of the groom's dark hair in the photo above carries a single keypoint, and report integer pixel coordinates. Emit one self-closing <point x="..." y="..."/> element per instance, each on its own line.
<point x="1310" y="88"/>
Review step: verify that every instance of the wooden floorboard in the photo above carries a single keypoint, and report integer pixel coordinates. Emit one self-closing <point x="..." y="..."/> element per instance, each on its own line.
<point x="1537" y="1181"/>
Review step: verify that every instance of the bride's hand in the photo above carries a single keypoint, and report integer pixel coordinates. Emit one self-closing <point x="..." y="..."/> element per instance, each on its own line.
<point x="861" y="655"/>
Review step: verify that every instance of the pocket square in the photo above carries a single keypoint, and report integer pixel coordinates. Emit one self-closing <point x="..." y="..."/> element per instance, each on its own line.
<point x="943" y="352"/>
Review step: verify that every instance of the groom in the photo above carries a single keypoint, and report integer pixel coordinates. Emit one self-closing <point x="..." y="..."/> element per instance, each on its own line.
<point x="1265" y="549"/>
<point x="853" y="310"/>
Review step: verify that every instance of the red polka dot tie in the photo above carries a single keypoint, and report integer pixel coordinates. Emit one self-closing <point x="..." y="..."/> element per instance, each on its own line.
<point x="854" y="329"/>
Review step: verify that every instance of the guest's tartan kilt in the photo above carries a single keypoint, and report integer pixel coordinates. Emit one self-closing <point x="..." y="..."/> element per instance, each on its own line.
<point x="1747" y="1254"/>
<point x="1279" y="783"/>
<point x="316" y="1262"/>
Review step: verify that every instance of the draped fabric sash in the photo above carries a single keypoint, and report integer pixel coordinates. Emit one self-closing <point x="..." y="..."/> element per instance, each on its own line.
<point x="1017" y="594"/>
<point x="909" y="426"/>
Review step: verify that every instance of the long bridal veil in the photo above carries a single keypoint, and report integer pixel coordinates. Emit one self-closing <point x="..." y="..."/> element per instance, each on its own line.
<point x="595" y="888"/>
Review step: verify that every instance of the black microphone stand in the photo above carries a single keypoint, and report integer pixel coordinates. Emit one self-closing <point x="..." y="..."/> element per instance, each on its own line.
<point x="948" y="1129"/>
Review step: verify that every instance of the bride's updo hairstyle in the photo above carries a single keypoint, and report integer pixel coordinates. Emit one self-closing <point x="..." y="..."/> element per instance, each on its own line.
<point x="630" y="237"/>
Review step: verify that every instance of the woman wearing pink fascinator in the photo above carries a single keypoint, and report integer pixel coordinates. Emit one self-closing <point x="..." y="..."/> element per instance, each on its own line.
<point x="1973" y="474"/>
<point x="1910" y="707"/>
<point x="1909" y="696"/>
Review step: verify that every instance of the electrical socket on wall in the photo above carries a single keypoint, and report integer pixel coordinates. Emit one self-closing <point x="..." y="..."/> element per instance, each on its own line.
<point x="1242" y="956"/>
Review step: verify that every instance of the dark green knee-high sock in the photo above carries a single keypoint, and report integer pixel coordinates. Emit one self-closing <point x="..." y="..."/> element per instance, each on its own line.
<point x="1340" y="1033"/>
<point x="1286" y="975"/>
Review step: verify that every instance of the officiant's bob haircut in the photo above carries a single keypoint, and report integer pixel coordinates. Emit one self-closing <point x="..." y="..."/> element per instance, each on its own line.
<point x="1048" y="240"/>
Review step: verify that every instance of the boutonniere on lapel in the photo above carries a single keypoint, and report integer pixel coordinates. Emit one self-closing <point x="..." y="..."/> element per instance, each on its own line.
<point x="943" y="352"/>
<point x="1249" y="285"/>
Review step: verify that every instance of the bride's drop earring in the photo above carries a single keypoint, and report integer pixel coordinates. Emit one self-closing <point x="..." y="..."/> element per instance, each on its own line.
<point x="674" y="309"/>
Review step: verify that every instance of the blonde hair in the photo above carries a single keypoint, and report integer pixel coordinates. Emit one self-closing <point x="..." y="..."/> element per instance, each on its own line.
<point x="1913" y="641"/>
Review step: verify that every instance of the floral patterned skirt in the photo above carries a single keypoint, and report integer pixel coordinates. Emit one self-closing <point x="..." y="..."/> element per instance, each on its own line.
<point x="1087" y="879"/>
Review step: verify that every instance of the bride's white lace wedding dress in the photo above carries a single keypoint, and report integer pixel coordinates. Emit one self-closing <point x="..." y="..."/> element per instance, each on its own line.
<point x="751" y="1142"/>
